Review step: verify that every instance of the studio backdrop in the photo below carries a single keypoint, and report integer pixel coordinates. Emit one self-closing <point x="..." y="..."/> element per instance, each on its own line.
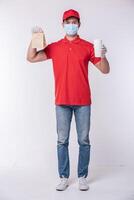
<point x="27" y="110"/>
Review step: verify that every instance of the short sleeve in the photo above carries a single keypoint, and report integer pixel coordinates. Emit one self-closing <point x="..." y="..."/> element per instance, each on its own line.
<point x="92" y="57"/>
<point x="49" y="51"/>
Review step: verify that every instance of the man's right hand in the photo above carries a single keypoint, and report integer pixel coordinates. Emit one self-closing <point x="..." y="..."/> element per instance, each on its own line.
<point x="32" y="54"/>
<point x="37" y="29"/>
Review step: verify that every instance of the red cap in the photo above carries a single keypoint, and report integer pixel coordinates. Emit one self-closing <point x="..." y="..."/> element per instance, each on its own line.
<point x="71" y="13"/>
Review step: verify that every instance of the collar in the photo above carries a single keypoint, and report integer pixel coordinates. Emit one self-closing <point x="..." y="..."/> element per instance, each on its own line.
<point x="76" y="40"/>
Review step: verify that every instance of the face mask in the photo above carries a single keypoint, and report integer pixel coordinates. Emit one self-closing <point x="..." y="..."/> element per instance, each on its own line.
<point x="71" y="29"/>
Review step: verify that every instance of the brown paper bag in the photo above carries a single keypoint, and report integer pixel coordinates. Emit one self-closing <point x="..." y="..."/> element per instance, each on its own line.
<point x="38" y="40"/>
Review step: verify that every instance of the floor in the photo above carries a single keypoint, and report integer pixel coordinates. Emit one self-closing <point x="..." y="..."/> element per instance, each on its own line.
<point x="106" y="183"/>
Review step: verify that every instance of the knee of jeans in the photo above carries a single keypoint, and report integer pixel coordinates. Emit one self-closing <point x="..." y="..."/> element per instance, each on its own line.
<point x="83" y="141"/>
<point x="62" y="141"/>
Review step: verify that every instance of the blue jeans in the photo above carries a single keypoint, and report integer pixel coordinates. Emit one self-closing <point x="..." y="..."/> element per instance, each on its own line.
<point x="82" y="120"/>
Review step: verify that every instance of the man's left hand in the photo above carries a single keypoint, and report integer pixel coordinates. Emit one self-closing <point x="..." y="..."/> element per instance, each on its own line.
<point x="103" y="51"/>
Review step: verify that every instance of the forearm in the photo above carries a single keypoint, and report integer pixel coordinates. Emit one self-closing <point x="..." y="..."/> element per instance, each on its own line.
<point x="104" y="65"/>
<point x="31" y="52"/>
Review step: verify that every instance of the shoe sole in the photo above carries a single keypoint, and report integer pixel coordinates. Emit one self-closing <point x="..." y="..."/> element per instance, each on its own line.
<point x="83" y="189"/>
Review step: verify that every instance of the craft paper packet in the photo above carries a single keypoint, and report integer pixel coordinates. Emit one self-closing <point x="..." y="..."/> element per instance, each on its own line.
<point x="38" y="40"/>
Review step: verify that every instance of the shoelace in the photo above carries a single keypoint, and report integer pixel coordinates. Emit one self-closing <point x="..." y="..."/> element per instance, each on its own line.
<point x="83" y="180"/>
<point x="63" y="180"/>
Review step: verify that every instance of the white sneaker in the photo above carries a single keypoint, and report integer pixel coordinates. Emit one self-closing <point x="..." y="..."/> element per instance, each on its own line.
<point x="83" y="185"/>
<point x="63" y="184"/>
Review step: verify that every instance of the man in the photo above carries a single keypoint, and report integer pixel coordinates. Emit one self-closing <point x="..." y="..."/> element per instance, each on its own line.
<point x="70" y="57"/>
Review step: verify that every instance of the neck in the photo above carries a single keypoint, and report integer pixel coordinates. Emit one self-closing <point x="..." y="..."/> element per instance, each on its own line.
<point x="69" y="37"/>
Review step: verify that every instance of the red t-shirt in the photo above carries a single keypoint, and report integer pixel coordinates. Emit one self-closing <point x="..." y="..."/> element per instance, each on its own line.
<point x="70" y="66"/>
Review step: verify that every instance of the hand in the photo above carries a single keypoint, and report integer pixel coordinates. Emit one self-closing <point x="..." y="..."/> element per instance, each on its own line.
<point x="37" y="29"/>
<point x="103" y="51"/>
